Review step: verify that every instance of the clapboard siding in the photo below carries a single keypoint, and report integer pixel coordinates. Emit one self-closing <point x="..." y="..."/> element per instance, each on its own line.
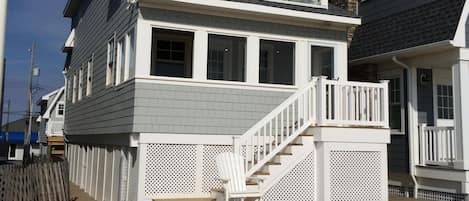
<point x="240" y="24"/>
<point x="162" y="108"/>
<point x="107" y="110"/>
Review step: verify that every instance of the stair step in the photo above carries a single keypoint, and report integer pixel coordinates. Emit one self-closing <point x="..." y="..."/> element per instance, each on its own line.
<point x="261" y="173"/>
<point x="273" y="163"/>
<point x="251" y="183"/>
<point x="284" y="154"/>
<point x="295" y="144"/>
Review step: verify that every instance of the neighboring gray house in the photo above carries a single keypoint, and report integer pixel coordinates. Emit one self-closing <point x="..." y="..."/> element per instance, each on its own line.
<point x="51" y="122"/>
<point x="421" y="47"/>
<point x="157" y="89"/>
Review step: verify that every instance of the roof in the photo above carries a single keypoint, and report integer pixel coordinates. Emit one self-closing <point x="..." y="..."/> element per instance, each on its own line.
<point x="53" y="103"/>
<point x="19" y="125"/>
<point x="428" y="23"/>
<point x="47" y="96"/>
<point x="332" y="10"/>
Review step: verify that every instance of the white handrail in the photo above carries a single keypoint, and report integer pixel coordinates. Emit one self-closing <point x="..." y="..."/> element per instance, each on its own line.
<point x="438" y="146"/>
<point x="277" y="129"/>
<point x="321" y="102"/>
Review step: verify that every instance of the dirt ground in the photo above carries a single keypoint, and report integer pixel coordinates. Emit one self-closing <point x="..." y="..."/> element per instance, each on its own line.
<point x="76" y="194"/>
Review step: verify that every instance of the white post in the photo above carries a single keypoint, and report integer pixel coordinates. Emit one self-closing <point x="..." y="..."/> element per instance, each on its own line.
<point x="461" y="110"/>
<point x="236" y="145"/>
<point x="252" y="59"/>
<point x="143" y="37"/>
<point x="200" y="55"/>
<point x="423" y="147"/>
<point x="301" y="64"/>
<point x="321" y="100"/>
<point x="385" y="103"/>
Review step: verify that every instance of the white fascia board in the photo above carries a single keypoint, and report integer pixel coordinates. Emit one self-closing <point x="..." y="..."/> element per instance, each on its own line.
<point x="268" y="10"/>
<point x="70" y="42"/>
<point x="460" y="36"/>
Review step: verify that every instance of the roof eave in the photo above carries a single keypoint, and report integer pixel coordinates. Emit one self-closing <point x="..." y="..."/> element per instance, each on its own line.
<point x="70" y="8"/>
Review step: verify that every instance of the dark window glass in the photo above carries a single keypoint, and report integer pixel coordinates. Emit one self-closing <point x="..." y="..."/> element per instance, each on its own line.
<point x="276" y="62"/>
<point x="226" y="58"/>
<point x="322" y="61"/>
<point x="12" y="150"/>
<point x="172" y="53"/>
<point x="395" y="107"/>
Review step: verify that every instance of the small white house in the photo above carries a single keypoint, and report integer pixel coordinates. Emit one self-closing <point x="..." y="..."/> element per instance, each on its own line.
<point x="51" y="122"/>
<point x="156" y="90"/>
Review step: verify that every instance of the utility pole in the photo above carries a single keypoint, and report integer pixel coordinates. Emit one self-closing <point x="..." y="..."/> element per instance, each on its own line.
<point x="7" y="126"/>
<point x="27" y="137"/>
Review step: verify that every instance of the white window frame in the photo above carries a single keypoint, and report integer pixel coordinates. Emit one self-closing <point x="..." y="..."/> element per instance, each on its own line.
<point x="111" y="58"/>
<point x="392" y="74"/>
<point x="58" y="108"/>
<point x="74" y="90"/>
<point x="442" y="77"/>
<point x="89" y="76"/>
<point x="130" y="55"/>
<point x="120" y="67"/>
<point x="80" y="84"/>
<point x="295" y="52"/>
<point x="335" y="61"/>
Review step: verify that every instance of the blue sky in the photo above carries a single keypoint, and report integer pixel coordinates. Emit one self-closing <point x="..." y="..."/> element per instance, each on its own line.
<point x="28" y="21"/>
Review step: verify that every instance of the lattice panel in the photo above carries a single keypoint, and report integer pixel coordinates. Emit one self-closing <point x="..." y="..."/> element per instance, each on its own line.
<point x="170" y="169"/>
<point x="355" y="176"/>
<point x="209" y="174"/>
<point x="297" y="185"/>
<point x="440" y="196"/>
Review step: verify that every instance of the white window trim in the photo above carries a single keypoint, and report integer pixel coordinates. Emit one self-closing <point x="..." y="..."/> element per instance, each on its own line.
<point x="111" y="73"/>
<point x="74" y="88"/>
<point x="80" y="84"/>
<point x="335" y="62"/>
<point x="338" y="48"/>
<point x="57" y="109"/>
<point x="118" y="65"/>
<point x="89" y="76"/>
<point x="392" y="74"/>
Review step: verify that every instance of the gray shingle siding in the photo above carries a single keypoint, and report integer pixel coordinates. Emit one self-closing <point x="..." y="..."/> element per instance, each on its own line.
<point x="398" y="154"/>
<point x="241" y="24"/>
<point x="200" y="110"/>
<point x="425" y="24"/>
<point x="108" y="110"/>
<point x="376" y="9"/>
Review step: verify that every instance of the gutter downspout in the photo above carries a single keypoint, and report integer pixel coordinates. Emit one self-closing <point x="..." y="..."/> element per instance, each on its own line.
<point x="411" y="140"/>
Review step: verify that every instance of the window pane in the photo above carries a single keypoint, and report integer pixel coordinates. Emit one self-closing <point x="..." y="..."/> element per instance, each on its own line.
<point x="395" y="107"/>
<point x="172" y="53"/>
<point x="226" y="58"/>
<point x="322" y="61"/>
<point x="445" y="102"/>
<point x="131" y="54"/>
<point x="276" y="62"/>
<point x="121" y="62"/>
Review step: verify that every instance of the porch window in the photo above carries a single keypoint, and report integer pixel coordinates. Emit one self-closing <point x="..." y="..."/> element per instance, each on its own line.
<point x="322" y="61"/>
<point x="445" y="102"/>
<point x="395" y="112"/>
<point x="172" y="53"/>
<point x="226" y="58"/>
<point x="276" y="62"/>
<point x="80" y="83"/>
<point x="60" y="109"/>
<point x="111" y="55"/>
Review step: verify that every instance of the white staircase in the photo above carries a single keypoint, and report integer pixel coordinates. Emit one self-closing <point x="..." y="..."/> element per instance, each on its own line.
<point x="278" y="141"/>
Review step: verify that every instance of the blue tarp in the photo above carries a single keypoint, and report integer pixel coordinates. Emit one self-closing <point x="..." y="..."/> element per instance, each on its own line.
<point x="17" y="137"/>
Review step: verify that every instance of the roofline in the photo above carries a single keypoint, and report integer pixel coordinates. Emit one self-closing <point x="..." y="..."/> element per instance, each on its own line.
<point x="262" y="9"/>
<point x="444" y="43"/>
<point x="53" y="103"/>
<point x="69" y="10"/>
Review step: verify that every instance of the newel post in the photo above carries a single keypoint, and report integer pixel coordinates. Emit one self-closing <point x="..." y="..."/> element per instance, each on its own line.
<point x="423" y="148"/>
<point x="385" y="103"/>
<point x="321" y="100"/>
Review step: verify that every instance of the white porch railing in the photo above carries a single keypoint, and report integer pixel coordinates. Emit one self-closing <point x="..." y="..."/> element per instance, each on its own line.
<point x="321" y="102"/>
<point x="438" y="146"/>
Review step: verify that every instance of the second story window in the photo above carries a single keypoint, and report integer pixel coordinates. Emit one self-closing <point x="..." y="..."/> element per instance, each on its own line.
<point x="445" y="101"/>
<point x="89" y="77"/>
<point x="121" y="59"/>
<point x="395" y="104"/>
<point x="226" y="58"/>
<point x="60" y="109"/>
<point x="74" y="90"/>
<point x="172" y="53"/>
<point x="110" y="68"/>
<point x="276" y="62"/>
<point x="80" y="84"/>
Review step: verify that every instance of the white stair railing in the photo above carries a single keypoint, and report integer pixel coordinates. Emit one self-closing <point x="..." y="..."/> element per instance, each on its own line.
<point x="277" y="129"/>
<point x="437" y="145"/>
<point x="345" y="103"/>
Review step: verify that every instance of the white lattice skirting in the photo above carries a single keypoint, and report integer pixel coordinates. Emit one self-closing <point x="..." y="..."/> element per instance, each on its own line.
<point x="177" y="169"/>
